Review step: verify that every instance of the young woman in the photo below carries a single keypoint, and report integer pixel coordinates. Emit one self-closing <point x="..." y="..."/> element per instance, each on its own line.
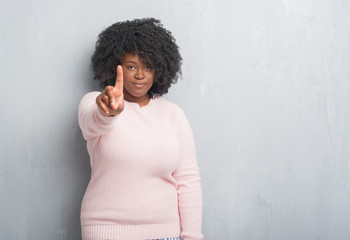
<point x="145" y="181"/>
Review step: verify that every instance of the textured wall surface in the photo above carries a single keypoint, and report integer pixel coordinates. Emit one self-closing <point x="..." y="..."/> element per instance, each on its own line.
<point x="265" y="87"/>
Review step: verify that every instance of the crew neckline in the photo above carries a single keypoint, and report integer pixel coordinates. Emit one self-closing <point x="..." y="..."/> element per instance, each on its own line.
<point x="136" y="105"/>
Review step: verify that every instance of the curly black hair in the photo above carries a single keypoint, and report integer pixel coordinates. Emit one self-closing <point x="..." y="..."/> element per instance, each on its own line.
<point x="146" y="37"/>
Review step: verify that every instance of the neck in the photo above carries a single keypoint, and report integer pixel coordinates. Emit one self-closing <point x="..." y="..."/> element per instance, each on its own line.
<point x="142" y="101"/>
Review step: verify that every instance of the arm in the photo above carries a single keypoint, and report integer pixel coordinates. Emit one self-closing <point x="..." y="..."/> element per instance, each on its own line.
<point x="92" y="123"/>
<point x="188" y="185"/>
<point x="97" y="111"/>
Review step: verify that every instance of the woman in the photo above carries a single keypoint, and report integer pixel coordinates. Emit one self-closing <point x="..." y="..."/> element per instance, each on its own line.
<point x="145" y="180"/>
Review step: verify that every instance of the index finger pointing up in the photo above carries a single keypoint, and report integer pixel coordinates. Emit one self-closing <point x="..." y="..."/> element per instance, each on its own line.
<point x="120" y="79"/>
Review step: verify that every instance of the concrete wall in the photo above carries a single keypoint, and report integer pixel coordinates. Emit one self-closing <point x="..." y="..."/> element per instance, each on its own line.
<point x="265" y="87"/>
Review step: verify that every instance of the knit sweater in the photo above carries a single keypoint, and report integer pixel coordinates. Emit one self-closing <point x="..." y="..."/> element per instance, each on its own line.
<point x="145" y="181"/>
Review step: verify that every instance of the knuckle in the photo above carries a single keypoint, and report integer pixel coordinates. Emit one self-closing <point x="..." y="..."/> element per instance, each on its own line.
<point x="109" y="89"/>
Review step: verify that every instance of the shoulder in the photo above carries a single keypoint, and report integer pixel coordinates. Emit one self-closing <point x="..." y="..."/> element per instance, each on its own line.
<point x="90" y="95"/>
<point x="168" y="110"/>
<point x="88" y="100"/>
<point x="168" y="106"/>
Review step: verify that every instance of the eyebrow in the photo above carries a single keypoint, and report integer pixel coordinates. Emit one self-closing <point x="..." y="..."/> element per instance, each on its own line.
<point x="145" y="63"/>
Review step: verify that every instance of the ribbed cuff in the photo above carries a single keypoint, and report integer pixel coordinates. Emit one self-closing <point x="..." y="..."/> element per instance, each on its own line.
<point x="130" y="232"/>
<point x="105" y="119"/>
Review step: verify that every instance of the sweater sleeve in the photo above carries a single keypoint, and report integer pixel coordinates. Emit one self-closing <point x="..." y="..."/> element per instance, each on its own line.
<point x="92" y="123"/>
<point x="188" y="184"/>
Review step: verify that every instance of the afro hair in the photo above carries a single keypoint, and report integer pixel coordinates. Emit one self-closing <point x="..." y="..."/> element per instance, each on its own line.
<point x="146" y="37"/>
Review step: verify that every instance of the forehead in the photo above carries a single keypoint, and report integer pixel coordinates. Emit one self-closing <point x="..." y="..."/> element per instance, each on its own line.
<point x="131" y="57"/>
<point x="134" y="57"/>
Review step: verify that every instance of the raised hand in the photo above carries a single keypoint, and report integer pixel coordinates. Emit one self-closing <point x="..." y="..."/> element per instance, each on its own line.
<point x="111" y="101"/>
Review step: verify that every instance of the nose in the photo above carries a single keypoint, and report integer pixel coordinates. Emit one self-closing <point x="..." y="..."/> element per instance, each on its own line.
<point x="140" y="74"/>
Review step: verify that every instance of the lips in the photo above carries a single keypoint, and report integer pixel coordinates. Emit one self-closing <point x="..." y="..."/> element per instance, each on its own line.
<point x="139" y="85"/>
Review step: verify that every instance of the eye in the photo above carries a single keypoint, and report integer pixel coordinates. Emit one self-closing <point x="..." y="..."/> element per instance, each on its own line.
<point x="130" y="67"/>
<point x="148" y="68"/>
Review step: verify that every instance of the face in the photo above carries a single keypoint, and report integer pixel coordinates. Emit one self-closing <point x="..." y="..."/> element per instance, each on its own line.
<point x="138" y="79"/>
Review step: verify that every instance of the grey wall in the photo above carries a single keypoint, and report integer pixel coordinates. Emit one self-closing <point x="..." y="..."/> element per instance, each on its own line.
<point x="265" y="87"/>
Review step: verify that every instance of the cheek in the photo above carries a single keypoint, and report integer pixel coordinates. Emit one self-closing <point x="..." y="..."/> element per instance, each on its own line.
<point x="127" y="79"/>
<point x="152" y="76"/>
<point x="152" y="81"/>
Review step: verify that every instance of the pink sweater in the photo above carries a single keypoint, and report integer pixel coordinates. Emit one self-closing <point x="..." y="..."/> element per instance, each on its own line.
<point x="145" y="181"/>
